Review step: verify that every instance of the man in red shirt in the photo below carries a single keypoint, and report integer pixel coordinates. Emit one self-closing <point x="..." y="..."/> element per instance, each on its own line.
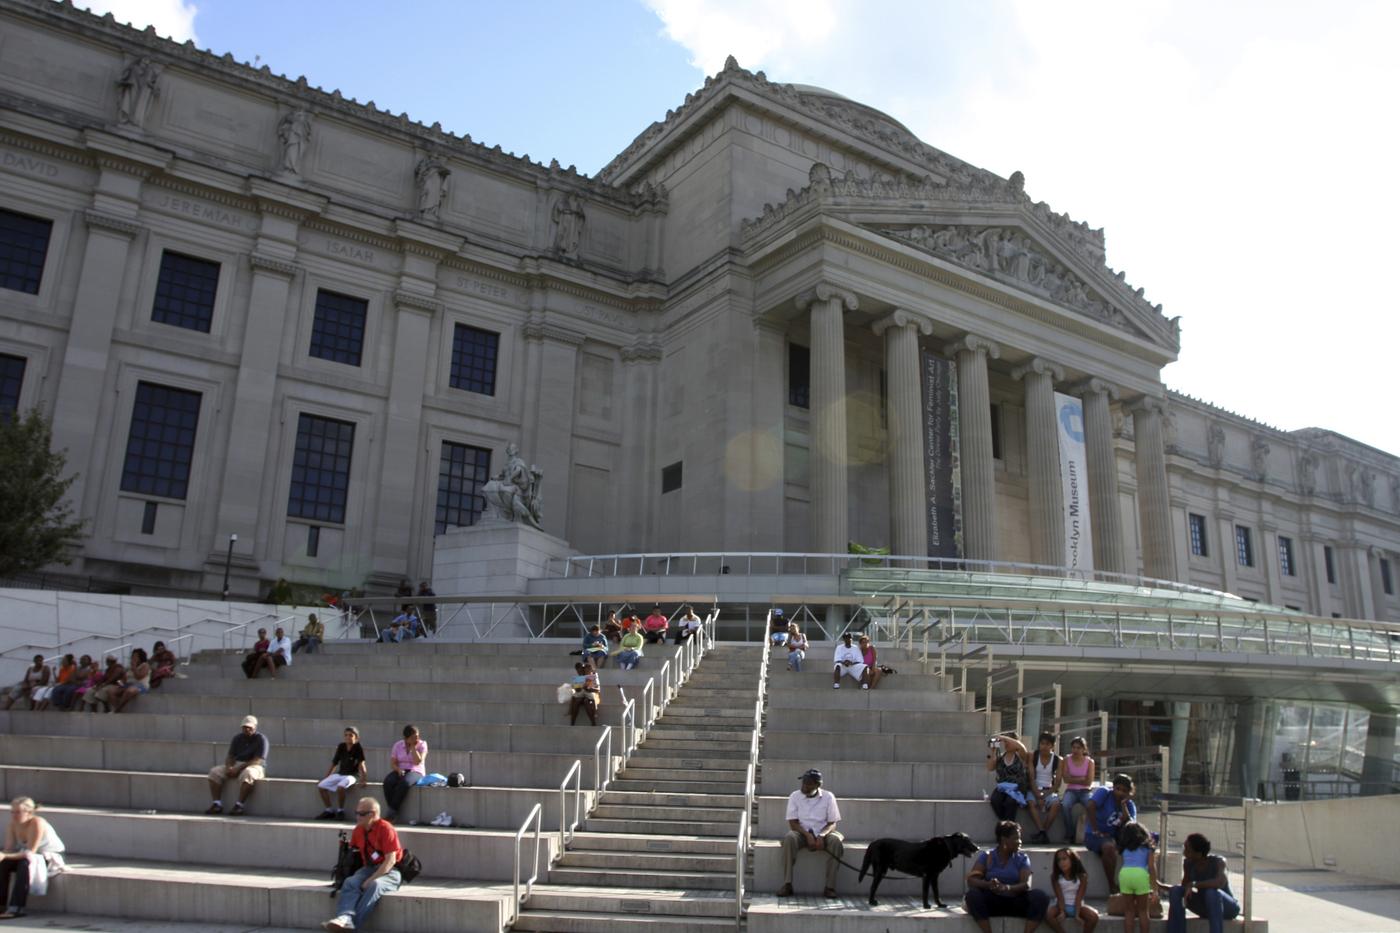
<point x="378" y="844"/>
<point x="654" y="628"/>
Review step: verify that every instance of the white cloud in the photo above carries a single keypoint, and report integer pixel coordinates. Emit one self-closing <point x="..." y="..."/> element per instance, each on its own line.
<point x="173" y="19"/>
<point x="1238" y="156"/>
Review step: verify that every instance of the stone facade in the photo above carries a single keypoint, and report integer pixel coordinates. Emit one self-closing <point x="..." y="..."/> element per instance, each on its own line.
<point x="636" y="334"/>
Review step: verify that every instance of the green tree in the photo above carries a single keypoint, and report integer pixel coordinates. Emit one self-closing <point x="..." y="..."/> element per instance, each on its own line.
<point x="36" y="526"/>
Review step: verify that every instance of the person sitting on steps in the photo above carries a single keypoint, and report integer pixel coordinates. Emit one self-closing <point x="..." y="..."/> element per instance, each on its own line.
<point x="812" y="815"/>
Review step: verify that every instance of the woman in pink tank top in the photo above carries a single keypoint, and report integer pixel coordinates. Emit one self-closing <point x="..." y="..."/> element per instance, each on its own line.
<point x="1077" y="775"/>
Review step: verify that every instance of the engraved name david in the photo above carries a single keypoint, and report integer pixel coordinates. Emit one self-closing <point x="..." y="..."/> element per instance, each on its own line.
<point x="24" y="163"/>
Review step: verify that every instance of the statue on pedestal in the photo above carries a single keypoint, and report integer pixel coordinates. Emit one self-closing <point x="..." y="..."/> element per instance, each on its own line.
<point x="568" y="218"/>
<point x="294" y="132"/>
<point x="136" y="88"/>
<point x="431" y="178"/>
<point x="514" y="494"/>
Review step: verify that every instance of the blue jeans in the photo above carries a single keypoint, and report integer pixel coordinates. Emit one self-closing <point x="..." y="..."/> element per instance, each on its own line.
<point x="360" y="904"/>
<point x="795" y="659"/>
<point x="1215" y="905"/>
<point x="1070" y="798"/>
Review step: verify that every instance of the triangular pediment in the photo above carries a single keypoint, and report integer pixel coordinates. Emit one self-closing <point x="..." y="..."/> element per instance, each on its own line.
<point x="990" y="229"/>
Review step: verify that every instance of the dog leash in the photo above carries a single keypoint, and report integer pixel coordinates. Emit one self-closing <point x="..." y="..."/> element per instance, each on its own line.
<point x="888" y="871"/>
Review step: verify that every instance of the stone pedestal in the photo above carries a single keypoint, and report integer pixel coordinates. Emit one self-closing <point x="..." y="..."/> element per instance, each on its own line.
<point x="493" y="558"/>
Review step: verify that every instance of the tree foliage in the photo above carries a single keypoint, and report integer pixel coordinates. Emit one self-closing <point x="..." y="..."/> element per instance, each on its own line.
<point x="37" y="527"/>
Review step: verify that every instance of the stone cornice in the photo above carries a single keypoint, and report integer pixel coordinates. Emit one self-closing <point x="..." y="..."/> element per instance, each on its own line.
<point x="903" y="317"/>
<point x="261" y="263"/>
<point x="99" y="220"/>
<point x="1040" y="367"/>
<point x="1094" y="386"/>
<point x="827" y="292"/>
<point x="414" y="302"/>
<point x="424" y="241"/>
<point x="644" y="350"/>
<point x="544" y="330"/>
<point x="285" y="201"/>
<point x="125" y="154"/>
<point x="972" y="343"/>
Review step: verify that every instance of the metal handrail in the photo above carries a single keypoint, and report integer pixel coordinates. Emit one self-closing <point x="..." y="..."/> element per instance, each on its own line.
<point x="517" y="900"/>
<point x="751" y="772"/>
<point x="648" y="701"/>
<point x="602" y="773"/>
<point x="566" y="830"/>
<point x="629" y="728"/>
<point x="60" y="647"/>
<point x="262" y="619"/>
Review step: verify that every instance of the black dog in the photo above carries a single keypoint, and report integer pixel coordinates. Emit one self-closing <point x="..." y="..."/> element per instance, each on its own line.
<point x="924" y="860"/>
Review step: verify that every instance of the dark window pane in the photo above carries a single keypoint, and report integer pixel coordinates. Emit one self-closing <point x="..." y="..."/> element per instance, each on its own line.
<point x="1198" y="534"/>
<point x="338" y="332"/>
<point x="799" y="376"/>
<point x="670" y="478"/>
<point x="148" y="519"/>
<point x="24" y="242"/>
<point x="321" y="469"/>
<point x="474" y="359"/>
<point x="157" y="465"/>
<point x="1244" y="546"/>
<point x="1327" y="560"/>
<point x="462" y="472"/>
<point x="11" y="381"/>
<point x="313" y="540"/>
<point x="1285" y="556"/>
<point x="185" y="292"/>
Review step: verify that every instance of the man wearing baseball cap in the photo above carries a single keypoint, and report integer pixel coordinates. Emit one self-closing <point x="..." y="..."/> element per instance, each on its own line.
<point x="812" y="816"/>
<point x="247" y="758"/>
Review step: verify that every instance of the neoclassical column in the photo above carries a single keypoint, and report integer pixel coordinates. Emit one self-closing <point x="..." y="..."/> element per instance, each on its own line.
<point x="1154" y="502"/>
<point x="1043" y="461"/>
<point x="636" y="503"/>
<point x="908" y="490"/>
<point x="829" y="457"/>
<point x="1104" y="516"/>
<point x="975" y="446"/>
<point x="554" y="351"/>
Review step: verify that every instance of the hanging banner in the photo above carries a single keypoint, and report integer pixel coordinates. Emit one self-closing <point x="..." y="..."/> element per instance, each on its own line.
<point x="1074" y="481"/>
<point x="940" y="404"/>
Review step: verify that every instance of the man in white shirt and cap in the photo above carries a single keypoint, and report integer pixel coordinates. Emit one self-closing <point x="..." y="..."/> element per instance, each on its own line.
<point x="812" y="816"/>
<point x="850" y="662"/>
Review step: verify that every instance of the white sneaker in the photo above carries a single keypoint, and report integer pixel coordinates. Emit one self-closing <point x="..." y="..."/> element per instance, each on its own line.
<point x="865" y="686"/>
<point x="343" y="922"/>
<point x="835" y="686"/>
<point x="442" y="819"/>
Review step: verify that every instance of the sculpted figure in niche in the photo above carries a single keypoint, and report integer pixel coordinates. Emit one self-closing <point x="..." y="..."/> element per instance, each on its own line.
<point x="514" y="493"/>
<point x="136" y="88"/>
<point x="1259" y="458"/>
<point x="1215" y="445"/>
<point x="1368" y="487"/>
<point x="1395" y="494"/>
<point x="294" y="132"/>
<point x="1307" y="474"/>
<point x="432" y="179"/>
<point x="568" y="218"/>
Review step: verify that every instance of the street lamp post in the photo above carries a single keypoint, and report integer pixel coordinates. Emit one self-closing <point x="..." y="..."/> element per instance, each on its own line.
<point x="228" y="561"/>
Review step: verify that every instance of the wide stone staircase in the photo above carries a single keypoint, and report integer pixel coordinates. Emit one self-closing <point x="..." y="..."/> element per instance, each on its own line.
<point x="659" y="851"/>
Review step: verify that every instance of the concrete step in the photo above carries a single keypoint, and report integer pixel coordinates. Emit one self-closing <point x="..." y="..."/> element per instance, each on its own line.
<point x="367" y="683"/>
<point x="612" y="878"/>
<point x="215" y="894"/>
<point x="648" y="901"/>
<point x="641" y="824"/>
<point x="648" y="842"/>
<point x="734" y="787"/>
<point x="864" y="745"/>
<point x="868" y="818"/>
<point x="698" y="747"/>
<point x="818" y="677"/>
<point x="877" y="722"/>
<point x="497" y="701"/>
<point x="563" y="921"/>
<point x="887" y="779"/>
<point x="663" y="768"/>
<point x="851" y="697"/>
<point x="652" y="812"/>
<point x="683" y="799"/>
<point x="635" y="863"/>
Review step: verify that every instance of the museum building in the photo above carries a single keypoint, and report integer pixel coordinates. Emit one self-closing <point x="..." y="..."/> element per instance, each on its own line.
<point x="255" y="308"/>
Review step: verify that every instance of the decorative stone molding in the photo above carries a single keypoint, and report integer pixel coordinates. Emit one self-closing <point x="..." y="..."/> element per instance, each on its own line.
<point x="975" y="344"/>
<point x="1040" y="366"/>
<point x="826" y="292"/>
<point x="97" y="220"/>
<point x="643" y="351"/>
<point x="544" y="330"/>
<point x="260" y="263"/>
<point x="902" y="317"/>
<point x="1093" y="385"/>
<point x="415" y="302"/>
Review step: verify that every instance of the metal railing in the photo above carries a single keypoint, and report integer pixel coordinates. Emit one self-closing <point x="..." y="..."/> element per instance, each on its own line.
<point x="741" y="845"/>
<point x="179" y="632"/>
<point x="566" y="829"/>
<point x="517" y="900"/>
<point x="260" y="620"/>
<point x="1189" y="806"/>
<point x="603" y="770"/>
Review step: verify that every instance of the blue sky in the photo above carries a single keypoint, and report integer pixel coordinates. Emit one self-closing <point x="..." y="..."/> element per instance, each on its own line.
<point x="1239" y="155"/>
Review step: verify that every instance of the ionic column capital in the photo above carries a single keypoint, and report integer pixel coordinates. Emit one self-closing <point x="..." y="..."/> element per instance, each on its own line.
<point x="827" y="292"/>
<point x="972" y="343"/>
<point x="1148" y="404"/>
<point x="901" y="317"/>
<point x="1040" y="366"/>
<point x="1094" y="386"/>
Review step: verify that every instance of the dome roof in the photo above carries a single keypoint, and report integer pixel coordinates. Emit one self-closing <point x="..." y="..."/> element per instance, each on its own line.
<point x="812" y="90"/>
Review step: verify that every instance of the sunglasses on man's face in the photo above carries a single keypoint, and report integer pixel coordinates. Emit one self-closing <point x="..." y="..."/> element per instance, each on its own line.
<point x="364" y="813"/>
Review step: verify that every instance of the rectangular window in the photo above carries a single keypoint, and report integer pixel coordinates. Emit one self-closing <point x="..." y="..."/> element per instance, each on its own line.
<point x="24" y="242"/>
<point x="1328" y="562"/>
<point x="462" y="471"/>
<point x="996" y="432"/>
<point x="321" y="469"/>
<point x="1285" y="556"/>
<point x="474" y="359"/>
<point x="1197" y="527"/>
<point x="313" y="540"/>
<point x="185" y="292"/>
<point x="338" y="331"/>
<point x="799" y="376"/>
<point x="148" y="519"/>
<point x="1244" y="546"/>
<point x="671" y="478"/>
<point x="1386" y="583"/>
<point x="161" y="443"/>
<point x="11" y="381"/>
